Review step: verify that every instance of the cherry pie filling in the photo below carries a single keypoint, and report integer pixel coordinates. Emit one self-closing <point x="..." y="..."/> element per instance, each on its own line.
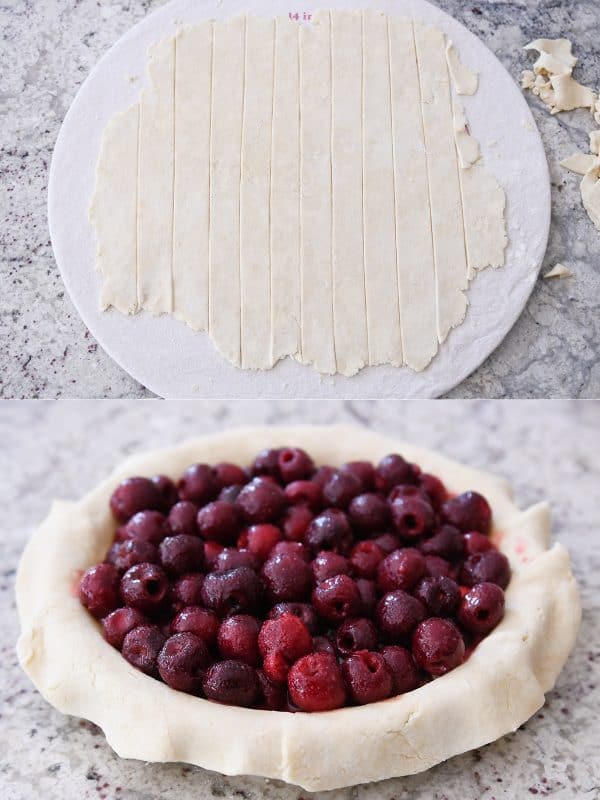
<point x="289" y="587"/>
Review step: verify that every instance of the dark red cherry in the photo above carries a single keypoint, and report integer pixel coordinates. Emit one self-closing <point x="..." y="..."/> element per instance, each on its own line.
<point x="228" y="474"/>
<point x="405" y="673"/>
<point x="182" y="518"/>
<point x="367" y="676"/>
<point x="438" y="646"/>
<point x="447" y="543"/>
<point x="294" y="464"/>
<point x="99" y="589"/>
<point x="238" y="639"/>
<point x="468" y="512"/>
<point x="231" y="682"/>
<point x="266" y="463"/>
<point x="141" y="647"/>
<point x="295" y="521"/>
<point x="167" y="490"/>
<point x="398" y="613"/>
<point x="475" y="542"/>
<point x="391" y="471"/>
<point x="231" y="558"/>
<point x="315" y="683"/>
<point x="341" y="489"/>
<point x="199" y="484"/>
<point x="364" y="471"/>
<point x="187" y="591"/>
<point x="180" y="554"/>
<point x="327" y="564"/>
<point x="365" y="558"/>
<point x="145" y="587"/>
<point x="306" y="493"/>
<point x="118" y="623"/>
<point x="133" y="495"/>
<point x="401" y="570"/>
<point x="369" y="513"/>
<point x="440" y="596"/>
<point x="183" y="661"/>
<point x="482" y="608"/>
<point x="261" y="500"/>
<point x="236" y="591"/>
<point x="336" y="599"/>
<point x="261" y="539"/>
<point x="488" y="567"/>
<point x="412" y="516"/>
<point x="147" y="526"/>
<point x="281" y="642"/>
<point x="329" y="531"/>
<point x="124" y="555"/>
<point x="434" y="489"/>
<point x="199" y="621"/>
<point x="303" y="611"/>
<point x="355" y="634"/>
<point x="220" y="521"/>
<point x="286" y="578"/>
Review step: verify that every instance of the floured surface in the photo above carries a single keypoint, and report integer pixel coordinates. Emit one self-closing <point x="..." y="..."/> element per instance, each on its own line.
<point x="333" y="206"/>
<point x="172" y="359"/>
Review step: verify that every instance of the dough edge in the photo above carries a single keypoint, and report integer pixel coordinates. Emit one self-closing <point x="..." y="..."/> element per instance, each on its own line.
<point x="507" y="675"/>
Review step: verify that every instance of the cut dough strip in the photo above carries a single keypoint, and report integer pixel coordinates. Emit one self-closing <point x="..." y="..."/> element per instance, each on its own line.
<point x="193" y="89"/>
<point x="155" y="180"/>
<point x="225" y="176"/>
<point x="444" y="184"/>
<point x="302" y="190"/>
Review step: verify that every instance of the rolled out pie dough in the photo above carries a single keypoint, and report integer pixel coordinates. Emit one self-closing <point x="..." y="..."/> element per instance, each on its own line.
<point x="494" y="692"/>
<point x="309" y="190"/>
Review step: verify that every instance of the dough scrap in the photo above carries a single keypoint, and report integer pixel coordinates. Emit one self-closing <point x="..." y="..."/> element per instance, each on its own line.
<point x="465" y="80"/>
<point x="558" y="271"/>
<point x="590" y="194"/>
<point x="496" y="690"/>
<point x="579" y="163"/>
<point x="310" y="191"/>
<point x="551" y="80"/>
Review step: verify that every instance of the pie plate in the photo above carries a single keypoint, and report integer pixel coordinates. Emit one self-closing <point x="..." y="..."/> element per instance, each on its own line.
<point x="170" y="358"/>
<point x="499" y="687"/>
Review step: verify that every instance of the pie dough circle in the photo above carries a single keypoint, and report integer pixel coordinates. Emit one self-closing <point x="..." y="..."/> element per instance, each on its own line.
<point x="62" y="650"/>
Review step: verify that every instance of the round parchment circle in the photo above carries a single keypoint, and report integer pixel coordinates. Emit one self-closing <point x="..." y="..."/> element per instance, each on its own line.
<point x="172" y="360"/>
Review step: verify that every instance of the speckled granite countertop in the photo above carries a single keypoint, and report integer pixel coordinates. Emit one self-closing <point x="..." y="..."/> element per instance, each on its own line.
<point x="547" y="450"/>
<point x="46" y="51"/>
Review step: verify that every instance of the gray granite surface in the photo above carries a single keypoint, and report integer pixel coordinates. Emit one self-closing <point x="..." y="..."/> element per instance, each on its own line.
<point x="547" y="451"/>
<point x="47" y="49"/>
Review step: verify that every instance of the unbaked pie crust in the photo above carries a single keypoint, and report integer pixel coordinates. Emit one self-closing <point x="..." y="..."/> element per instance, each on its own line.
<point x="496" y="690"/>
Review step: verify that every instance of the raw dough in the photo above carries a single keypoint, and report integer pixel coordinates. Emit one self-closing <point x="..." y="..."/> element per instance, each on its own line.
<point x="500" y="686"/>
<point x="558" y="271"/>
<point x="304" y="190"/>
<point x="551" y="81"/>
<point x="465" y="80"/>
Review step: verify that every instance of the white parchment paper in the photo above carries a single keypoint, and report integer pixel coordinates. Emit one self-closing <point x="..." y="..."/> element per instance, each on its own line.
<point x="174" y="361"/>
